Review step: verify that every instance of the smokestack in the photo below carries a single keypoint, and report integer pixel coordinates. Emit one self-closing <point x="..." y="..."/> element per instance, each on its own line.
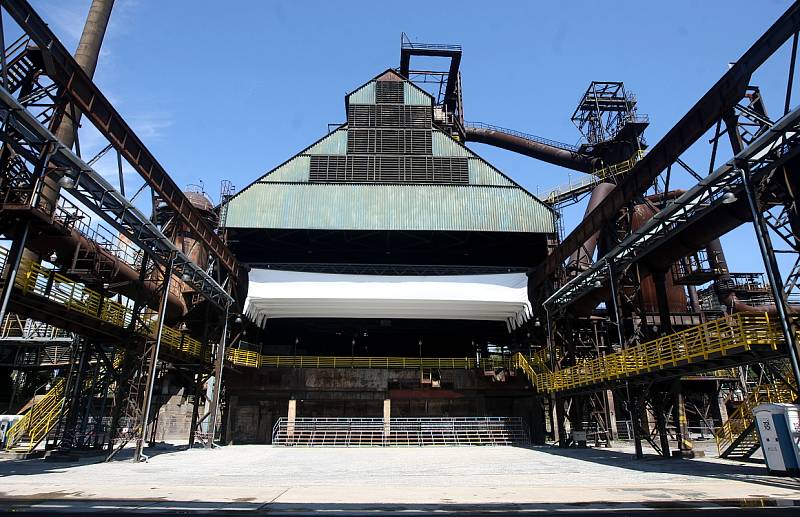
<point x="86" y="55"/>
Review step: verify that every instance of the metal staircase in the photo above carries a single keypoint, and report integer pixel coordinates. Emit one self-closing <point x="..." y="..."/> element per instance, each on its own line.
<point x="570" y="191"/>
<point x="699" y="347"/>
<point x="737" y="437"/>
<point x="36" y="424"/>
<point x="23" y="62"/>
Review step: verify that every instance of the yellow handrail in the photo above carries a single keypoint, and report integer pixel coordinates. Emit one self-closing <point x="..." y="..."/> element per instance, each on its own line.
<point x="741" y="419"/>
<point x="595" y="177"/>
<point x="39" y="420"/>
<point x="33" y="278"/>
<point x="718" y="337"/>
<point x="256" y="360"/>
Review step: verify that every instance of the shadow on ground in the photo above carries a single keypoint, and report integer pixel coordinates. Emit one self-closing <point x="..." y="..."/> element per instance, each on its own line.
<point x="29" y="467"/>
<point x="751" y="473"/>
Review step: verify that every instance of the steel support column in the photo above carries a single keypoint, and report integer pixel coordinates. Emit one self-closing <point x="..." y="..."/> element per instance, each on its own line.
<point x="152" y="363"/>
<point x="772" y="270"/>
<point x="217" y="392"/>
<point x="685" y="445"/>
<point x="664" y="319"/>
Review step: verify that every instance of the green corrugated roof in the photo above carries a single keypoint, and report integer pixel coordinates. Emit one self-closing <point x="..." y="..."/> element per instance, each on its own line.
<point x="388" y="207"/>
<point x="284" y="198"/>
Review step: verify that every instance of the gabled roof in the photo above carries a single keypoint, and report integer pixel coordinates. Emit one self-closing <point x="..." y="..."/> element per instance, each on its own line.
<point x="350" y="180"/>
<point x="390" y="74"/>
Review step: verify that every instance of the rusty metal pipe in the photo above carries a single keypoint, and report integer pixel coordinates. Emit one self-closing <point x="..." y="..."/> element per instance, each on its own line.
<point x="582" y="257"/>
<point x="125" y="277"/>
<point x="538" y="150"/>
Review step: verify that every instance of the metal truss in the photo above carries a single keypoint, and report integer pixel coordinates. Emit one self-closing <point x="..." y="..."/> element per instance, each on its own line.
<point x="84" y="95"/>
<point x="719" y="100"/>
<point x="33" y="142"/>
<point x="770" y="150"/>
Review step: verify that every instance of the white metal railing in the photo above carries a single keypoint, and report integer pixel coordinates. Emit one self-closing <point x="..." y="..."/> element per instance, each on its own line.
<point x="399" y="432"/>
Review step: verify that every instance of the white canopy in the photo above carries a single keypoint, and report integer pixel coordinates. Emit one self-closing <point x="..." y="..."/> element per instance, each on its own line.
<point x="291" y="294"/>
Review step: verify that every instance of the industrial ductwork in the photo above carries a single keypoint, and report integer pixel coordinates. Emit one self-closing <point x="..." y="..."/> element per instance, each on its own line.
<point x="535" y="149"/>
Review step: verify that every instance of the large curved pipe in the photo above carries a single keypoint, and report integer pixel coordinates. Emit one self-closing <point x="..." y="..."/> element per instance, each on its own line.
<point x="532" y="148"/>
<point x="125" y="277"/>
<point x="581" y="259"/>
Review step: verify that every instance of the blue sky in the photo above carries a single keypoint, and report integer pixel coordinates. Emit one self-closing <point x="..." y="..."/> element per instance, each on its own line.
<point x="231" y="89"/>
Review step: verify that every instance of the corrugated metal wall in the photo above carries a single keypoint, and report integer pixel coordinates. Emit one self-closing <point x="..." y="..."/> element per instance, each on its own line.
<point x="389" y="207"/>
<point x="364" y="95"/>
<point x="335" y="143"/>
<point x="414" y="96"/>
<point x="443" y="145"/>
<point x="295" y="169"/>
<point x="481" y="173"/>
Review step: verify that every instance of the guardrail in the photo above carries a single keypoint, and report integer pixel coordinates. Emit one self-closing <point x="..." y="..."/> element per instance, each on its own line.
<point x="571" y="188"/>
<point x="398" y="432"/>
<point x="256" y="360"/>
<point x="33" y="278"/>
<point x="39" y="420"/>
<point x="740" y="331"/>
<point x="740" y="420"/>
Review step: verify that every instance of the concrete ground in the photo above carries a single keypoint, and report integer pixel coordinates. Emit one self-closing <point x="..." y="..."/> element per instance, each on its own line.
<point x="310" y="480"/>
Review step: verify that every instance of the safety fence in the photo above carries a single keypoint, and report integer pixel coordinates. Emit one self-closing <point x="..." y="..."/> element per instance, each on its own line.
<point x="400" y="432"/>
<point x="254" y="359"/>
<point x="740" y="332"/>
<point x="33" y="427"/>
<point x="35" y="279"/>
<point x="740" y="420"/>
<point x="583" y="184"/>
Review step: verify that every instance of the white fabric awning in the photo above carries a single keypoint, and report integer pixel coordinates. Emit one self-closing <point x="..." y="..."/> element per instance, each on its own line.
<point x="292" y="294"/>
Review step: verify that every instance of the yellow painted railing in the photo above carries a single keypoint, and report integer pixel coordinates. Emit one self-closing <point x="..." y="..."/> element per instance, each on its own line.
<point x="618" y="168"/>
<point x="595" y="177"/>
<point x="720" y="337"/>
<point x="741" y="419"/>
<point x="33" y="278"/>
<point x="39" y="420"/>
<point x="254" y="359"/>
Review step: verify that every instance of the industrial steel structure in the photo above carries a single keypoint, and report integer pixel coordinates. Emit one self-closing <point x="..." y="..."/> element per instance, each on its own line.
<point x="387" y="286"/>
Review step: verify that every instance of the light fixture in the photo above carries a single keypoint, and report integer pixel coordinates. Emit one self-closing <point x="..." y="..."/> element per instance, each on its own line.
<point x="186" y="277"/>
<point x="597" y="284"/>
<point x="53" y="257"/>
<point x="238" y="320"/>
<point x="729" y="197"/>
<point x="537" y="323"/>
<point x="66" y="181"/>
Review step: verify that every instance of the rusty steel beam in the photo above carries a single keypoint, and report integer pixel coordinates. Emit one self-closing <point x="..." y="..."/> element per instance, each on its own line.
<point x="708" y="110"/>
<point x="83" y="93"/>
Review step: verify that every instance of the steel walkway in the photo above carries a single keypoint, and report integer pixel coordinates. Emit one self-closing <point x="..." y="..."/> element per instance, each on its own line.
<point x="255" y="360"/>
<point x="36" y="286"/>
<point x="738" y="339"/>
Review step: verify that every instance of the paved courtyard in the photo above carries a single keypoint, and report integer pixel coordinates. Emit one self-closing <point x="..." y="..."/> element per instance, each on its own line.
<point x="262" y="477"/>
